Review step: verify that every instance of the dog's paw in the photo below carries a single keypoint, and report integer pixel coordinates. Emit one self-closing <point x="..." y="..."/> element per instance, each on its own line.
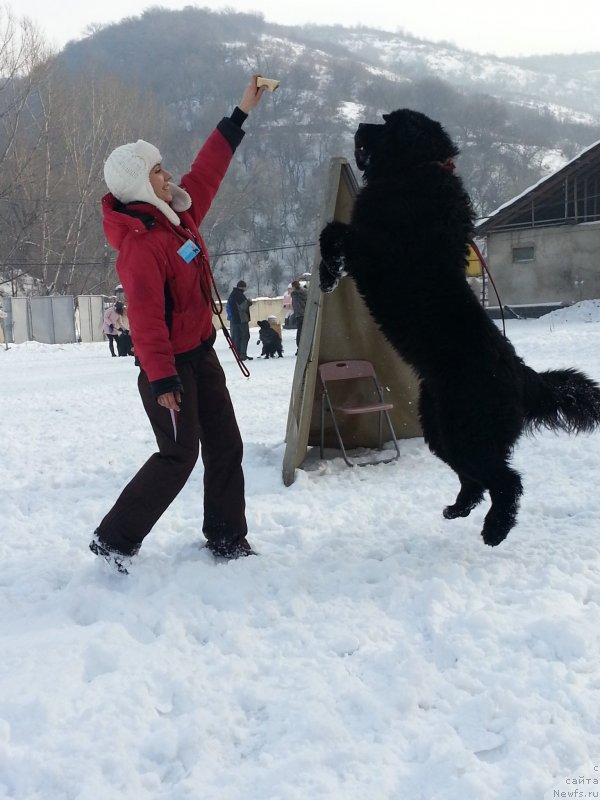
<point x="329" y="275"/>
<point x="328" y="280"/>
<point x="493" y="537"/>
<point x="329" y="288"/>
<point x="458" y="510"/>
<point x="454" y="512"/>
<point x="332" y="245"/>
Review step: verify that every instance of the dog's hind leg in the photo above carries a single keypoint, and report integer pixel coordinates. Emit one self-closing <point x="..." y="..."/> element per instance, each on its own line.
<point x="505" y="491"/>
<point x="471" y="490"/>
<point x="469" y="496"/>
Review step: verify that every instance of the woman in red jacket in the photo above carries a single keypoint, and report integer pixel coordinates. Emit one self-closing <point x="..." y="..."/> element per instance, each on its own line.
<point x="164" y="269"/>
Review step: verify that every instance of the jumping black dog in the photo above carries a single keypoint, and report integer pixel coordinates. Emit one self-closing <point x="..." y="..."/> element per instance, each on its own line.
<point x="406" y="248"/>
<point x="270" y="339"/>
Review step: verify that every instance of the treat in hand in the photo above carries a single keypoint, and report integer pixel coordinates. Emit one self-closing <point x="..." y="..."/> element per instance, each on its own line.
<point x="270" y="83"/>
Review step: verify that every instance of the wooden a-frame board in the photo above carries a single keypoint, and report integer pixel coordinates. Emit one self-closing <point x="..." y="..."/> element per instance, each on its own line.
<point x="338" y="326"/>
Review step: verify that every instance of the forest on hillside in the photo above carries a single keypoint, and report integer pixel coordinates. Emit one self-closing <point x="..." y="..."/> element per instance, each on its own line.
<point x="168" y="77"/>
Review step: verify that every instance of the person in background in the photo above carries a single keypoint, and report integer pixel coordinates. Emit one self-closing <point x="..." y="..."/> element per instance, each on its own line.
<point x="124" y="343"/>
<point x="163" y="266"/>
<point x="112" y="324"/>
<point x="239" y="308"/>
<point x="299" y="306"/>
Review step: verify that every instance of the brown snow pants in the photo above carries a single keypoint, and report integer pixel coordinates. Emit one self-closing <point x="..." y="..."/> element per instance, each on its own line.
<point x="206" y="421"/>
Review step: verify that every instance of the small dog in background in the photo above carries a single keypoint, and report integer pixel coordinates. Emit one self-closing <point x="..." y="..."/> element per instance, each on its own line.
<point x="270" y="340"/>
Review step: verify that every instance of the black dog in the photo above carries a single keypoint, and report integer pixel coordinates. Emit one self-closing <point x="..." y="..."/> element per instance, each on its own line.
<point x="271" y="341"/>
<point x="406" y="248"/>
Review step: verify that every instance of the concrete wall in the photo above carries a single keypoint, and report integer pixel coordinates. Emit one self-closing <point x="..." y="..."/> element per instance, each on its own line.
<point x="261" y="308"/>
<point x="566" y="265"/>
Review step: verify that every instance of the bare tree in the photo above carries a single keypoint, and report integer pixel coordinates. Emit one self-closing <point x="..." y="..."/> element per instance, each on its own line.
<point x="72" y="124"/>
<point x="84" y="119"/>
<point x="22" y="57"/>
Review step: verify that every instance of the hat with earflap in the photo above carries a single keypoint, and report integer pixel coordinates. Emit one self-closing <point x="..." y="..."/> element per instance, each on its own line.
<point x="127" y="175"/>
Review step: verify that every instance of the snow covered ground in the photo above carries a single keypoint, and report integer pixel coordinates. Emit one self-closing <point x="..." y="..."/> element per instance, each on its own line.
<point x="374" y="650"/>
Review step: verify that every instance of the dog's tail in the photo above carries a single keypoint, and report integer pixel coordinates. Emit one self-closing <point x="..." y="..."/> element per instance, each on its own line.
<point x="561" y="400"/>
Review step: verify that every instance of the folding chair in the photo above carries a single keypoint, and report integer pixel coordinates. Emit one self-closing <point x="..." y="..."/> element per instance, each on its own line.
<point x="354" y="370"/>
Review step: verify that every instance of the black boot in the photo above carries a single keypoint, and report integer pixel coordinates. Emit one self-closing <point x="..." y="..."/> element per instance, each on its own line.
<point x="118" y="561"/>
<point x="230" y="552"/>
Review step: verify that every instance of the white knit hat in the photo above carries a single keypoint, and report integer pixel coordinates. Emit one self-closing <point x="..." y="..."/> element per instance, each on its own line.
<point x="127" y="175"/>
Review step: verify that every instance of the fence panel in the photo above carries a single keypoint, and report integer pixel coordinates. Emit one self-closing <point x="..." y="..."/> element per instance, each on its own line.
<point x="89" y="315"/>
<point x="52" y="319"/>
<point x="5" y="321"/>
<point x="18" y="320"/>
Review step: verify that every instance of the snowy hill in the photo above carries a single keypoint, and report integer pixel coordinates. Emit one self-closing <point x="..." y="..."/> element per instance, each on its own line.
<point x="570" y="83"/>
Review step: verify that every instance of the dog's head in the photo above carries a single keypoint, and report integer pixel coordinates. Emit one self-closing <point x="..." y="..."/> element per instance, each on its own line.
<point x="404" y="140"/>
<point x="263" y="324"/>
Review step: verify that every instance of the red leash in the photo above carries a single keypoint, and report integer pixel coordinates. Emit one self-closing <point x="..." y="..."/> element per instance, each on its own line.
<point x="208" y="291"/>
<point x="450" y="166"/>
<point x="485" y="267"/>
<point x="218" y="311"/>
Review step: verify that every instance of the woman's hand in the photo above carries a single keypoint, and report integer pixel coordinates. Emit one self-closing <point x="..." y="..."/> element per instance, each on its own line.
<point x="170" y="400"/>
<point x="251" y="96"/>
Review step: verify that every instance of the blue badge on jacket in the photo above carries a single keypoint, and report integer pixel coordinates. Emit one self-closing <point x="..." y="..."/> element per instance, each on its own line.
<point x="188" y="251"/>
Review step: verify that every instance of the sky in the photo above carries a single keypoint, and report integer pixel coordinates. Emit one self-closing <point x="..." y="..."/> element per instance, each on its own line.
<point x="512" y="27"/>
<point x="372" y="649"/>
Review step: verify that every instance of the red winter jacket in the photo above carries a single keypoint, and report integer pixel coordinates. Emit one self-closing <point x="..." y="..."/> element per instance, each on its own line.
<point x="150" y="268"/>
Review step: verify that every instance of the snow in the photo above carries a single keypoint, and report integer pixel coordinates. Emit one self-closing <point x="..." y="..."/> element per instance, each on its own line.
<point x="352" y="112"/>
<point x="372" y="650"/>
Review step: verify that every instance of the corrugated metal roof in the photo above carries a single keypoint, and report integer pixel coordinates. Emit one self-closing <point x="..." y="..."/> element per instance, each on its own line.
<point x="502" y="215"/>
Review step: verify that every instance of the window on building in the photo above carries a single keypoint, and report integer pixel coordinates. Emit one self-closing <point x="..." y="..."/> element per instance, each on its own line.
<point x="520" y="254"/>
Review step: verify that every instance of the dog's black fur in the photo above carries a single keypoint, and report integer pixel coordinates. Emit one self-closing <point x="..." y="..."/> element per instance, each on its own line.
<point x="271" y="341"/>
<point x="406" y="248"/>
